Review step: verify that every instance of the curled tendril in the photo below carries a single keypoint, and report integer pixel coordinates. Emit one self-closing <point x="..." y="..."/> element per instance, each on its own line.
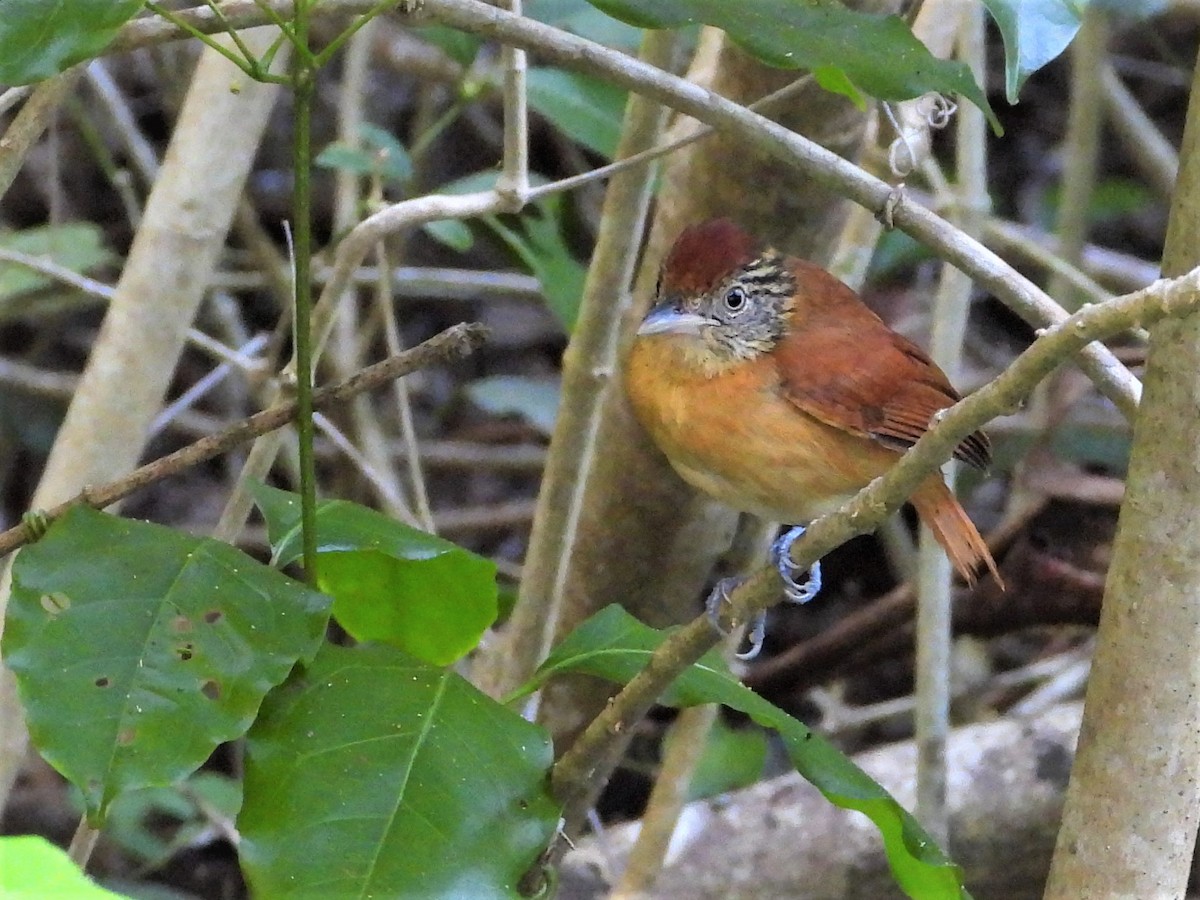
<point x="912" y="141"/>
<point x="941" y="110"/>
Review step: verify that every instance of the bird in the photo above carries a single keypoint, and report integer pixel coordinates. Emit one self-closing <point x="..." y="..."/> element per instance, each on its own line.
<point x="769" y="385"/>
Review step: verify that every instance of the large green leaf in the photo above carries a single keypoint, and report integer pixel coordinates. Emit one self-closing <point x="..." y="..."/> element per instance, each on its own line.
<point x="585" y="108"/>
<point x="614" y="645"/>
<point x="1034" y="32"/>
<point x="374" y="775"/>
<point x="844" y="48"/>
<point x="40" y="38"/>
<point x="138" y="649"/>
<point x="581" y="18"/>
<point x="31" y="868"/>
<point x="389" y="582"/>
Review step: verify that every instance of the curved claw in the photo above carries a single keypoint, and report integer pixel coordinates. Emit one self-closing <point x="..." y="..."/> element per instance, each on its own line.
<point x="712" y="606"/>
<point x="719" y="595"/>
<point x="781" y="558"/>
<point x="756" y="635"/>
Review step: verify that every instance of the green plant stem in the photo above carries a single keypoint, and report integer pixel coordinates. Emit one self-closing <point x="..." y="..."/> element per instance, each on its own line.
<point x="302" y="87"/>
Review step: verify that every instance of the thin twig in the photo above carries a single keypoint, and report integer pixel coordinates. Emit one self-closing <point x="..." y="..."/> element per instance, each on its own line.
<point x="386" y="305"/>
<point x="1152" y="153"/>
<point x="990" y="271"/>
<point x="459" y="340"/>
<point x="951" y="309"/>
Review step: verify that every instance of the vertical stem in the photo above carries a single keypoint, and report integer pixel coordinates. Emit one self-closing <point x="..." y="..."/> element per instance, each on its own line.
<point x="934" y="575"/>
<point x="1129" y="823"/>
<point x="515" y="177"/>
<point x="682" y="751"/>
<point x="1082" y="145"/>
<point x="302" y="88"/>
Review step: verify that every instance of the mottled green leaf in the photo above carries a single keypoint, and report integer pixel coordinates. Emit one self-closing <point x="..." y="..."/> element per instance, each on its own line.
<point x="138" y="649"/>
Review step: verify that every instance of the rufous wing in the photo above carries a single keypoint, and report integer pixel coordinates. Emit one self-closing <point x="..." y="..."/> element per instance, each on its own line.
<point x="842" y="365"/>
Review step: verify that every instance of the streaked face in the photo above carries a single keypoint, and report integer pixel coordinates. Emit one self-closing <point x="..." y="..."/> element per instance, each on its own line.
<point x="742" y="316"/>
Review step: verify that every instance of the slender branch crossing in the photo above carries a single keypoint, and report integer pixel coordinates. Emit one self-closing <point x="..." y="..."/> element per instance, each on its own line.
<point x="456" y="341"/>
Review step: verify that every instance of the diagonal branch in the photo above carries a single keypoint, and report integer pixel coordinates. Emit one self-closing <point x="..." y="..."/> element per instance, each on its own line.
<point x="458" y="340"/>
<point x="990" y="271"/>
<point x="595" y="754"/>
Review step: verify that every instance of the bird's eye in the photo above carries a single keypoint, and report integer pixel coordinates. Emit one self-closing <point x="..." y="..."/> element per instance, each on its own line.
<point x="735" y="299"/>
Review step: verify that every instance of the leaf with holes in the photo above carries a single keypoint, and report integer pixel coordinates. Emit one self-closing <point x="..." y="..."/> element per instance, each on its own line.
<point x="138" y="649"/>
<point x="842" y="47"/>
<point x="389" y="582"/>
<point x="40" y="38"/>
<point x="615" y="646"/>
<point x="372" y="774"/>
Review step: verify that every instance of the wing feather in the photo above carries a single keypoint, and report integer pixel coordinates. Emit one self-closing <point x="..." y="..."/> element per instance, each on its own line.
<point x="891" y="389"/>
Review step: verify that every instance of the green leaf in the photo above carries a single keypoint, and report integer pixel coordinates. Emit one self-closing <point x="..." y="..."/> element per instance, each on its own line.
<point x="615" y="646"/>
<point x="31" y="868"/>
<point x="534" y="399"/>
<point x="374" y="775"/>
<point x="40" y="38"/>
<point x="733" y="758"/>
<point x="1034" y="32"/>
<point x="587" y="109"/>
<point x="541" y="246"/>
<point x="379" y="154"/>
<point x="76" y="247"/>
<point x="458" y="45"/>
<point x="581" y="18"/>
<point x="455" y="233"/>
<point x="877" y="54"/>
<point x="138" y="649"/>
<point x="389" y="582"/>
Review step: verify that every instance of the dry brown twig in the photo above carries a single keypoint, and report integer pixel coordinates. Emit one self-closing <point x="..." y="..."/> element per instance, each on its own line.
<point x="458" y="340"/>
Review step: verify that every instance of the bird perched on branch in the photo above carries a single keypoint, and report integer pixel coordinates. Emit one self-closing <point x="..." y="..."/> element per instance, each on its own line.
<point x="770" y="386"/>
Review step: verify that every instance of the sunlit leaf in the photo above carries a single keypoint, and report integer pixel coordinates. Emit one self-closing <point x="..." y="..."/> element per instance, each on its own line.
<point x="31" y="868"/>
<point x="389" y="582"/>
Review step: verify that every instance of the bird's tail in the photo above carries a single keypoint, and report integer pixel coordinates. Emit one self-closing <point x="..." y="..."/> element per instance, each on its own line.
<point x="948" y="521"/>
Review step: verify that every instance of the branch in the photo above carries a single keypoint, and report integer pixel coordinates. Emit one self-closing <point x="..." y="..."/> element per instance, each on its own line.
<point x="594" y="755"/>
<point x="989" y="270"/>
<point x="458" y="340"/>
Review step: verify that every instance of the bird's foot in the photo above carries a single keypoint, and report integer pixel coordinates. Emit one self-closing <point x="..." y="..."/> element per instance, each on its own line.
<point x="781" y="558"/>
<point x="712" y="606"/>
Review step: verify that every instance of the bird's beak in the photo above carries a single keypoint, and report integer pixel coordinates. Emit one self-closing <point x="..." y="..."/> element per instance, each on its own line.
<point x="667" y="318"/>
